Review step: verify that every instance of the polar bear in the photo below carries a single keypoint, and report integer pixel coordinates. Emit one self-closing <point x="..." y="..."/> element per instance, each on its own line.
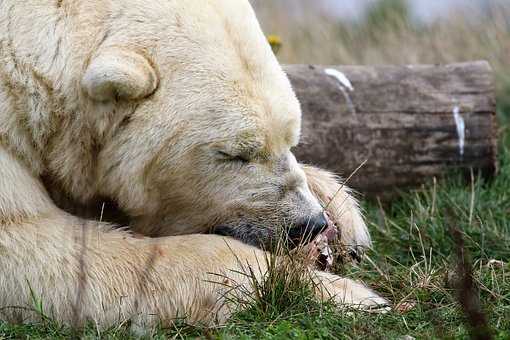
<point x="179" y="113"/>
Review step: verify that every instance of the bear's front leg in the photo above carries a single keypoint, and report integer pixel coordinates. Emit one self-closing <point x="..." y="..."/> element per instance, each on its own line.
<point x="75" y="272"/>
<point x="348" y="293"/>
<point x="342" y="208"/>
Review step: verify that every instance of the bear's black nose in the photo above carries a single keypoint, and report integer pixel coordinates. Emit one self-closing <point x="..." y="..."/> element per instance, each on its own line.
<point x="307" y="229"/>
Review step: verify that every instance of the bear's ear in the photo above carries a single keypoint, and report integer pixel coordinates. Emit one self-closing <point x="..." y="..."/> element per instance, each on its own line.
<point x="119" y="74"/>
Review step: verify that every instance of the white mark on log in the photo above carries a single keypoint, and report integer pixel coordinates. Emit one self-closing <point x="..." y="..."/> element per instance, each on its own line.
<point x="342" y="78"/>
<point x="344" y="84"/>
<point x="348" y="99"/>
<point x="461" y="129"/>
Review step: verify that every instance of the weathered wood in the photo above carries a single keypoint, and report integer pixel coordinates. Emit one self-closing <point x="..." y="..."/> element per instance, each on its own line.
<point x="401" y="119"/>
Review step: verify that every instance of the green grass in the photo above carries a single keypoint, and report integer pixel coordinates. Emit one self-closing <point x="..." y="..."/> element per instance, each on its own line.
<point x="412" y="263"/>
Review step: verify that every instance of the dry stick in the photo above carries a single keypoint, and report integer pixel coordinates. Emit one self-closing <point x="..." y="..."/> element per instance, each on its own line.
<point x="467" y="291"/>
<point x="434" y="197"/>
<point x="102" y="212"/>
<point x="472" y="202"/>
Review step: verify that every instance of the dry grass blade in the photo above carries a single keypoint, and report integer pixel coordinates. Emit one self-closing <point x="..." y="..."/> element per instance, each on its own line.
<point x="344" y="183"/>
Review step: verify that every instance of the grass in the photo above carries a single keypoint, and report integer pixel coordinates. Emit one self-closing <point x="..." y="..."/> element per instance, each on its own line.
<point x="415" y="261"/>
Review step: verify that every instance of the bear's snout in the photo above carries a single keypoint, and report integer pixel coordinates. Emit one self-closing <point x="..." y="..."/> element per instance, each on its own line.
<point x="307" y="229"/>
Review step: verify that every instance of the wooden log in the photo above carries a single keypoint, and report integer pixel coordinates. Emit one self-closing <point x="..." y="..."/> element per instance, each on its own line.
<point x="410" y="123"/>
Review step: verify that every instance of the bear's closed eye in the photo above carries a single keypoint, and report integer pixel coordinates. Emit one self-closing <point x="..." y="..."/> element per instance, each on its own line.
<point x="233" y="158"/>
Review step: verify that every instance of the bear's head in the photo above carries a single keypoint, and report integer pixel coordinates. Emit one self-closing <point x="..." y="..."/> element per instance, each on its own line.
<point x="206" y="123"/>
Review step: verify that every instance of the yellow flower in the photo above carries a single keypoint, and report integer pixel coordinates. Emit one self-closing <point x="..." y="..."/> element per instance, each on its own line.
<point x="275" y="41"/>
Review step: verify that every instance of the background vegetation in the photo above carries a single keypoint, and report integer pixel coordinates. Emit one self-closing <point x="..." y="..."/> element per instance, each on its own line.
<point x="416" y="262"/>
<point x="387" y="34"/>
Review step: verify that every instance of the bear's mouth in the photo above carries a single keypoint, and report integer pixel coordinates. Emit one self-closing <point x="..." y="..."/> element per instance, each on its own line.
<point x="316" y="249"/>
<point x="319" y="249"/>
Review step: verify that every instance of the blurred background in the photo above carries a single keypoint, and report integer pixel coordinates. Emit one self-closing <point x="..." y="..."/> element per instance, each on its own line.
<point x="393" y="32"/>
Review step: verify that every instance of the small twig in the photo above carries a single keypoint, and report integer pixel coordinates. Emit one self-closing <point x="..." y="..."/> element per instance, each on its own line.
<point x="467" y="291"/>
<point x="472" y="202"/>
<point x="434" y="197"/>
<point x="377" y="268"/>
<point x="345" y="182"/>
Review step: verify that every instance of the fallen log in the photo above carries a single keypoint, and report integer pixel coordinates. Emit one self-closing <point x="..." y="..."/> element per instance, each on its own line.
<point x="409" y="123"/>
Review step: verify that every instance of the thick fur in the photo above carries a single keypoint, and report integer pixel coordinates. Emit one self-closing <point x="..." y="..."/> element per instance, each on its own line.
<point x="179" y="113"/>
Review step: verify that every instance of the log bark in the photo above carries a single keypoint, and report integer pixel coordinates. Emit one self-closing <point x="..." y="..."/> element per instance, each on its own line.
<point x="410" y="123"/>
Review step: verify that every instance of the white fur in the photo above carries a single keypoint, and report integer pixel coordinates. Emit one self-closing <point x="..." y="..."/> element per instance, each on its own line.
<point x="140" y="102"/>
